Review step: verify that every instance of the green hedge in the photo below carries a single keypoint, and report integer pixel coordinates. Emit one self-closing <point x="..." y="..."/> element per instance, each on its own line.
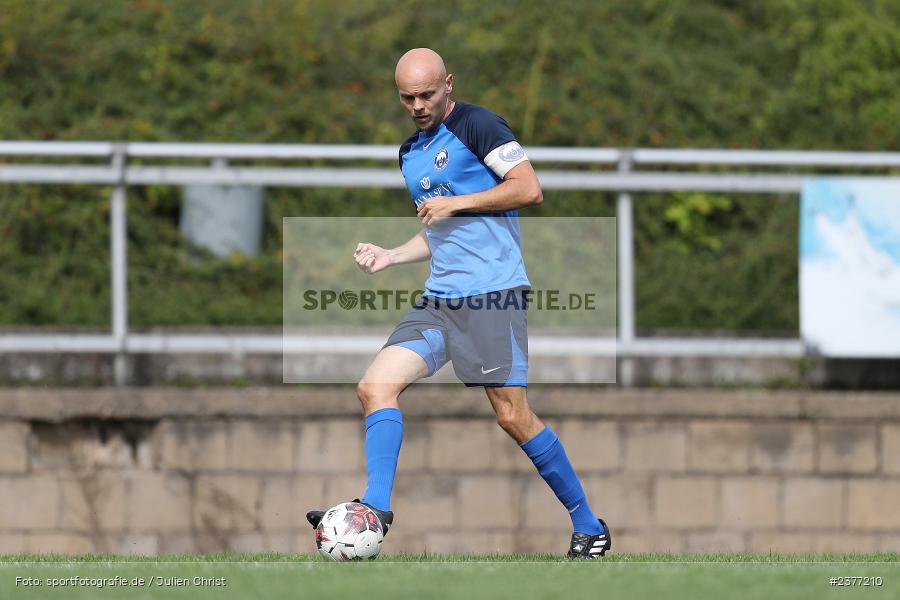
<point x="800" y="74"/>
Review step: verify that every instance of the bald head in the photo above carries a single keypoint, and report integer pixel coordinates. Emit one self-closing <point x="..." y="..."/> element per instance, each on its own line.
<point x="420" y="66"/>
<point x="424" y="87"/>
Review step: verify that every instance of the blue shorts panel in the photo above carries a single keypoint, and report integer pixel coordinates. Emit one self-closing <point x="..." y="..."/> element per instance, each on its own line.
<point x="431" y="346"/>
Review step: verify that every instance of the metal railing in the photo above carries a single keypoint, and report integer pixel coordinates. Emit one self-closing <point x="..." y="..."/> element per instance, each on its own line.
<point x="119" y="174"/>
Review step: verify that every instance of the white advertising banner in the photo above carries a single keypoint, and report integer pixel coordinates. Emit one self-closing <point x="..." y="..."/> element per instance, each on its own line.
<point x="850" y="266"/>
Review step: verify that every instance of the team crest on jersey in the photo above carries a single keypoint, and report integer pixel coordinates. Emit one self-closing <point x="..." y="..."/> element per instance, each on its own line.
<point x="441" y="159"/>
<point x="426" y="182"/>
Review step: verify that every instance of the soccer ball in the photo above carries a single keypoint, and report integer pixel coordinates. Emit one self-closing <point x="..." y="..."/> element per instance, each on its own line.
<point x="349" y="531"/>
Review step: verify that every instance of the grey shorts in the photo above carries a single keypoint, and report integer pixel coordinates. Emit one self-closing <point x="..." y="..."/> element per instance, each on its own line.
<point x="484" y="336"/>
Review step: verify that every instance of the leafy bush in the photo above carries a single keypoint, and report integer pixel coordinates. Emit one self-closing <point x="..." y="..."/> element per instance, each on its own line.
<point x="801" y="74"/>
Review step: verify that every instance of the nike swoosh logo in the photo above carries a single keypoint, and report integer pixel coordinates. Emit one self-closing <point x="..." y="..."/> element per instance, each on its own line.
<point x="574" y="509"/>
<point x="425" y="146"/>
<point x="483" y="372"/>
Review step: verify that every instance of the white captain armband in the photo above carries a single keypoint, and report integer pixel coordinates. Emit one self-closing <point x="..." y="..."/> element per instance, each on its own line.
<point x="504" y="157"/>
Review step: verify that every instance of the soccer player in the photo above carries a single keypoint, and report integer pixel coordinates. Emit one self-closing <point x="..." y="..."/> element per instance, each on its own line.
<point x="468" y="176"/>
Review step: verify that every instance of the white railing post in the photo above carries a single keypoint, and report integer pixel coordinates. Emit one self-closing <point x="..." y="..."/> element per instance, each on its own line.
<point x="118" y="242"/>
<point x="625" y="236"/>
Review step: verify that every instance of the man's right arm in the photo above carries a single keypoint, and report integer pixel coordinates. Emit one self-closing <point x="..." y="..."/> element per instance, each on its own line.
<point x="372" y="259"/>
<point x="415" y="250"/>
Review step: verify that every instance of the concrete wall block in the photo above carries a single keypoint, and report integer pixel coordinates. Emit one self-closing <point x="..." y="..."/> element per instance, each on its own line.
<point x="192" y="444"/>
<point x="344" y="488"/>
<point x="542" y="509"/>
<point x="29" y="502"/>
<point x="262" y="445"/>
<point x="592" y="445"/>
<point x="144" y="544"/>
<point x="227" y="503"/>
<point x="488" y="501"/>
<point x="60" y="543"/>
<point x="177" y="543"/>
<point x="286" y="500"/>
<point x="540" y="541"/>
<point x="94" y="453"/>
<point x="873" y="504"/>
<point x="782" y="447"/>
<point x="842" y="543"/>
<point x="424" y="502"/>
<point x="469" y="542"/>
<point x="13" y="543"/>
<point x="686" y="502"/>
<point x="158" y="502"/>
<point x="263" y="541"/>
<point x="621" y="500"/>
<point x="657" y="447"/>
<point x="648" y="541"/>
<point x="507" y="455"/>
<point x="304" y="542"/>
<point x="789" y="543"/>
<point x="413" y="542"/>
<point x="460" y="445"/>
<point x="71" y="445"/>
<point x="719" y="446"/>
<point x="414" y="450"/>
<point x="848" y="448"/>
<point x="14" y="447"/>
<point x="811" y="502"/>
<point x="335" y="446"/>
<point x="748" y="503"/>
<point x="93" y="501"/>
<point x="889" y="542"/>
<point x="717" y="541"/>
<point x="890" y="449"/>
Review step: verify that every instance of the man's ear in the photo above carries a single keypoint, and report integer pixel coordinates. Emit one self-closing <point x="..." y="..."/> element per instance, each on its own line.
<point x="449" y="82"/>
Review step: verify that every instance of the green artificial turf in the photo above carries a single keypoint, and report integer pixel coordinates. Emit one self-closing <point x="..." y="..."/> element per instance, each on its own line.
<point x="463" y="577"/>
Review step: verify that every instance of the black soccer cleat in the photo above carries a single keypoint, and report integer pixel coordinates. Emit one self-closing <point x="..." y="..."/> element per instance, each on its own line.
<point x="386" y="517"/>
<point x="315" y="517"/>
<point x="590" y="546"/>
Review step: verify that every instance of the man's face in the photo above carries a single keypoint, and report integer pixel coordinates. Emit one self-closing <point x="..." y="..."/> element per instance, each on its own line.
<point x="426" y="102"/>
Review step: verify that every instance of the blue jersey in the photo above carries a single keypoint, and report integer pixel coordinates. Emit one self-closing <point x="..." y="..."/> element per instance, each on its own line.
<point x="470" y="151"/>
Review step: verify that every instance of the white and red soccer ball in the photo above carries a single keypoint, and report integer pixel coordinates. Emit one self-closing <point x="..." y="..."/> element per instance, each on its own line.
<point x="349" y="531"/>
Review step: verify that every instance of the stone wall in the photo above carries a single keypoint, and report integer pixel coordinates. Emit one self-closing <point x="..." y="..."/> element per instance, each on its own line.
<point x="80" y="369"/>
<point x="149" y="470"/>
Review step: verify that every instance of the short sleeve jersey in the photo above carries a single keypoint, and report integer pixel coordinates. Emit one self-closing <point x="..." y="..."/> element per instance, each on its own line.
<point x="469" y="152"/>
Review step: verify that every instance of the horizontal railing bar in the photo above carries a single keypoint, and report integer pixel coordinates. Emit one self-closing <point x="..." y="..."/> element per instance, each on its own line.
<point x="715" y="347"/>
<point x="766" y="157"/>
<point x="291" y="177"/>
<point x="342" y="344"/>
<point x="28" y="148"/>
<point x="389" y="152"/>
<point x="646" y="181"/>
<point x="391" y="178"/>
<point x="74" y="174"/>
<point x="81" y="343"/>
<point x="248" y="151"/>
<point x="344" y="151"/>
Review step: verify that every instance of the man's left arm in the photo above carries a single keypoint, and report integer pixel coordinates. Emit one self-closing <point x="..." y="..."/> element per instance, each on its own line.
<point x="519" y="189"/>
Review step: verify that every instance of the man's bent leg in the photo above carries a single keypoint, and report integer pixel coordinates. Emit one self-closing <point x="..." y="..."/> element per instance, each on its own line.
<point x="546" y="452"/>
<point x="389" y="374"/>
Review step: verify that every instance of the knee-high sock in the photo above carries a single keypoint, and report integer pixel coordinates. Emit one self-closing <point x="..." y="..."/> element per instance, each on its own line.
<point x="384" y="434"/>
<point x="548" y="455"/>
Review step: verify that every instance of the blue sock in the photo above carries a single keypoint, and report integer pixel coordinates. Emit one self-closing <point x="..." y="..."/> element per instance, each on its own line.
<point x="384" y="434"/>
<point x="548" y="455"/>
